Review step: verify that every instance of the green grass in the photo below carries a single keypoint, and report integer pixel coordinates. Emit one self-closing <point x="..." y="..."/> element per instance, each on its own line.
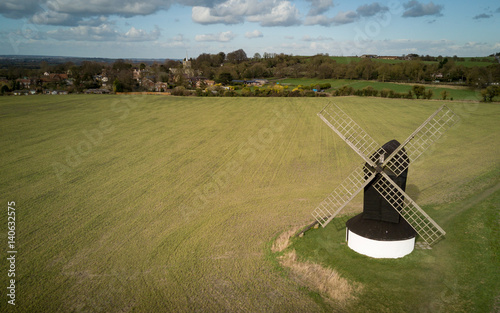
<point x="346" y="60"/>
<point x="454" y="92"/>
<point x="481" y="61"/>
<point x="469" y="63"/>
<point x="152" y="203"/>
<point x="460" y="274"/>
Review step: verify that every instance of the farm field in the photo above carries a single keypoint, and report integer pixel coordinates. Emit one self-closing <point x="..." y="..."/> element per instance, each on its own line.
<point x="455" y="92"/>
<point x="171" y="204"/>
<point x="467" y="62"/>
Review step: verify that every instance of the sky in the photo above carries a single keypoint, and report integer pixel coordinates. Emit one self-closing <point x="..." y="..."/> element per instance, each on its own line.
<point x="173" y="29"/>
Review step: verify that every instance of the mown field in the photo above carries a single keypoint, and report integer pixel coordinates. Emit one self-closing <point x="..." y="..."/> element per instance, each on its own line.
<point x="166" y="204"/>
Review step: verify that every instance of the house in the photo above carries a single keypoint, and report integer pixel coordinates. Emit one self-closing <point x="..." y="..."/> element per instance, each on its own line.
<point x="148" y="84"/>
<point x="161" y="87"/>
<point x="369" y="56"/>
<point x="136" y="74"/>
<point x="97" y="91"/>
<point x="200" y="81"/>
<point x="55" y="92"/>
<point x="257" y="82"/>
<point x="20" y="92"/>
<point x="53" y="77"/>
<point x="24" y="82"/>
<point x="388" y="57"/>
<point x="102" y="78"/>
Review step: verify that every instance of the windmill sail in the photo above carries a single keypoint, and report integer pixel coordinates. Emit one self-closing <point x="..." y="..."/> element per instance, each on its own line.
<point x="351" y="133"/>
<point x="421" y="139"/>
<point x="343" y="194"/>
<point x="362" y="144"/>
<point x="397" y="162"/>
<point x="420" y="221"/>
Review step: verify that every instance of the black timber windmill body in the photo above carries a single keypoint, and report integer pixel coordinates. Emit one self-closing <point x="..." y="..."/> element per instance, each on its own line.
<point x="387" y="209"/>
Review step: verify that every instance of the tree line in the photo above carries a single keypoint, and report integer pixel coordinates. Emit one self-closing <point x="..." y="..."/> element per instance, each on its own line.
<point x="420" y="69"/>
<point x="237" y="65"/>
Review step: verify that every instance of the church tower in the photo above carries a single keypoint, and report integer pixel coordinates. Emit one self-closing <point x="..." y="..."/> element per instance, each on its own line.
<point x="186" y="64"/>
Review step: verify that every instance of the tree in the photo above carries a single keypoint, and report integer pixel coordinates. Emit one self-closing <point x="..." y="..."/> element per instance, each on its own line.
<point x="237" y="56"/>
<point x="418" y="90"/>
<point x="257" y="56"/>
<point x="219" y="58"/>
<point x="444" y="94"/>
<point x="490" y="92"/>
<point x="325" y="70"/>
<point x="121" y="65"/>
<point x="224" y="78"/>
<point x="4" y="89"/>
<point x="117" y="86"/>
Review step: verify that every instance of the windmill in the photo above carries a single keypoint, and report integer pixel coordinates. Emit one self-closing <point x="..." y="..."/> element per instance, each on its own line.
<point x="378" y="231"/>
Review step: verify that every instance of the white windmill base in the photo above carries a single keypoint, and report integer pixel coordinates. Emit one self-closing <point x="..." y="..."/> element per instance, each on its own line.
<point x="379" y="249"/>
<point x="381" y="243"/>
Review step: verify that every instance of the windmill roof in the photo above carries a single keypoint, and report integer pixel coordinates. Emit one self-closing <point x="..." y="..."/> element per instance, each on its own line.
<point x="380" y="230"/>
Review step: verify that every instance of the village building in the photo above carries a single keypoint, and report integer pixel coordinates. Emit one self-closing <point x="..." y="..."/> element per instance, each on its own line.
<point x="161" y="87"/>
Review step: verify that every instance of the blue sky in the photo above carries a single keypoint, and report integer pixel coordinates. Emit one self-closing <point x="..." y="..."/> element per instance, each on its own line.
<point x="172" y="28"/>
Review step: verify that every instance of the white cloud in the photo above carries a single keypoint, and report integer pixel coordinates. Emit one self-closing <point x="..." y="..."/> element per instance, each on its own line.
<point x="482" y="16"/>
<point x="103" y="32"/>
<point x="19" y="8"/>
<point x="417" y="9"/>
<point x="203" y="15"/>
<point x="109" y="7"/>
<point x="321" y="6"/>
<point x="53" y="18"/>
<point x="322" y="20"/>
<point x="318" y="7"/>
<point x="371" y="9"/>
<point x="266" y="12"/>
<point x="50" y="11"/>
<point x="221" y="37"/>
<point x="284" y="14"/>
<point x="254" y="34"/>
<point x="345" y="17"/>
<point x="320" y="38"/>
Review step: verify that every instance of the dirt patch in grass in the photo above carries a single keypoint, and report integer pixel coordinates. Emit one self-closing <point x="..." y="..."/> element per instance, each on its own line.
<point x="324" y="280"/>
<point x="283" y="240"/>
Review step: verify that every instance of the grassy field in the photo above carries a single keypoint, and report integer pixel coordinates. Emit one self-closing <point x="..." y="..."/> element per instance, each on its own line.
<point x="153" y="203"/>
<point x="467" y="62"/>
<point x="454" y="92"/>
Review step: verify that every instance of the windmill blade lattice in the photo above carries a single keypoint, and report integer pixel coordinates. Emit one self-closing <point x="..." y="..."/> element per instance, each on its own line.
<point x="351" y="133"/>
<point x="397" y="162"/>
<point x="422" y="223"/>
<point x="343" y="194"/>
<point x="421" y="139"/>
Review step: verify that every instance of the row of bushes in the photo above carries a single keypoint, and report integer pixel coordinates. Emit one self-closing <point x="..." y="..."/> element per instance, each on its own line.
<point x="308" y="91"/>
<point x="284" y="91"/>
<point x="369" y="91"/>
<point x="274" y="91"/>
